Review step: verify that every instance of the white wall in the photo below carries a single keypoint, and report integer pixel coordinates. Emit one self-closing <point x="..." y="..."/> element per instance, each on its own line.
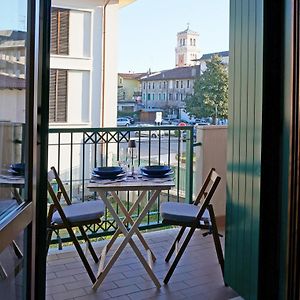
<point x="12" y="103"/>
<point x="85" y="63"/>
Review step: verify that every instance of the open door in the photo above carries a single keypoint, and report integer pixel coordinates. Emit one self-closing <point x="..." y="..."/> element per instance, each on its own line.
<point x="23" y="73"/>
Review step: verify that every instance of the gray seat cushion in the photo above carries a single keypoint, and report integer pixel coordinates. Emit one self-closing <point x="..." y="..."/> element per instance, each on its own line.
<point x="83" y="211"/>
<point x="182" y="212"/>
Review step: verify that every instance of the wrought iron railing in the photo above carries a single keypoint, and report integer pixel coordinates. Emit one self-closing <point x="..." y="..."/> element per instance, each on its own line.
<point x="76" y="151"/>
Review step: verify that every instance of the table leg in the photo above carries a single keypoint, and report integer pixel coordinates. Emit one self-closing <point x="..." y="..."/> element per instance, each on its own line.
<point x="127" y="239"/>
<point x="134" y="206"/>
<point x="130" y="220"/>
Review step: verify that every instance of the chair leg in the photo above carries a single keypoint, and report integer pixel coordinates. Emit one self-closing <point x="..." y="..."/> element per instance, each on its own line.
<point x="179" y="254"/>
<point x="173" y="247"/>
<point x="90" y="246"/>
<point x="48" y="239"/>
<point x="81" y="254"/>
<point x="216" y="237"/>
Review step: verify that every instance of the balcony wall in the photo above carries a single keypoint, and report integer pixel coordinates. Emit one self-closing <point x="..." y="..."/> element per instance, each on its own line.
<point x="212" y="154"/>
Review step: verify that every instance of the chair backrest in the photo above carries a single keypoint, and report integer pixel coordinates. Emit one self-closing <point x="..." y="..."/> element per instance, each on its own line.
<point x="52" y="174"/>
<point x="207" y="190"/>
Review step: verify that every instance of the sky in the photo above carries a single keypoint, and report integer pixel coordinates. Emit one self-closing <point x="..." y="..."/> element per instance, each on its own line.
<point x="148" y="28"/>
<point x="13" y="14"/>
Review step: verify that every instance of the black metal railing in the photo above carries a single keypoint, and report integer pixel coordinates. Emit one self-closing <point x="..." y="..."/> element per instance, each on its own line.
<point x="76" y="151"/>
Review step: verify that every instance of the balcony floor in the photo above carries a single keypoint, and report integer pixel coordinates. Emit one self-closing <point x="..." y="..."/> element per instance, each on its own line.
<point x="197" y="276"/>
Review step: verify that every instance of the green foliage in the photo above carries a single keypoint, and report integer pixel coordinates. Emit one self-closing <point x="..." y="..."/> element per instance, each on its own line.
<point x="210" y="98"/>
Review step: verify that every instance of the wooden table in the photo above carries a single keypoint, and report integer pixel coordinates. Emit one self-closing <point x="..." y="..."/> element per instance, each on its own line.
<point x="155" y="186"/>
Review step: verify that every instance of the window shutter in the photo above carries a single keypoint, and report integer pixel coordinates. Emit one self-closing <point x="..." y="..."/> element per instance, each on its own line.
<point x="61" y="110"/>
<point x="58" y="95"/>
<point x="52" y="96"/>
<point x="63" y="41"/>
<point x="60" y="19"/>
<point x="53" y="36"/>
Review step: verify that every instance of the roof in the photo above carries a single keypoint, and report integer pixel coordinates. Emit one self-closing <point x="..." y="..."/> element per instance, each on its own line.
<point x="131" y="75"/>
<point x="176" y="73"/>
<point x="9" y="82"/>
<point x="208" y="56"/>
<point x="12" y="35"/>
<point x="188" y="31"/>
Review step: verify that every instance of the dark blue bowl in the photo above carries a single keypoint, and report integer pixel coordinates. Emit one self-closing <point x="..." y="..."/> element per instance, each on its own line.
<point x="18" y="168"/>
<point x="155" y="170"/>
<point x="108" y="171"/>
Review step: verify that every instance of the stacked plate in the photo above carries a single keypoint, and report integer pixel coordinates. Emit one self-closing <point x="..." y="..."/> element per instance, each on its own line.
<point x="156" y="171"/>
<point x="17" y="169"/>
<point x="108" y="173"/>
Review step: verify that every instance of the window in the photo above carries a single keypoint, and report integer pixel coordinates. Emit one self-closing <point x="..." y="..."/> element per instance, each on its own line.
<point x="176" y="97"/>
<point x="164" y="96"/>
<point x="159" y="96"/>
<point x="59" y="42"/>
<point x="153" y="85"/>
<point x="177" y="84"/>
<point x="58" y="93"/>
<point x="159" y="85"/>
<point x="194" y="42"/>
<point x="164" y="84"/>
<point x="170" y="97"/>
<point x="181" y="84"/>
<point x="144" y="96"/>
<point x="149" y="85"/>
<point x="191" y="42"/>
<point x="148" y="96"/>
<point x="181" y="97"/>
<point x="153" y="96"/>
<point x="188" y="84"/>
<point x="144" y="85"/>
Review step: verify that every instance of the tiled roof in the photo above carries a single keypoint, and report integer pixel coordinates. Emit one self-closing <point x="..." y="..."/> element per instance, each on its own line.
<point x="131" y="75"/>
<point x="176" y="73"/>
<point x="9" y="82"/>
<point x="208" y="56"/>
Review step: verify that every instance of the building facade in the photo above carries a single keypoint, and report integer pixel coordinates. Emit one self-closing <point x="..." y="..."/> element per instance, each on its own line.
<point x="129" y="91"/>
<point x="169" y="89"/>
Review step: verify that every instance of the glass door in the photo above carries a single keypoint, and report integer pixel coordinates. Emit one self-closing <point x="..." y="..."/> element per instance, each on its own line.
<point x="20" y="65"/>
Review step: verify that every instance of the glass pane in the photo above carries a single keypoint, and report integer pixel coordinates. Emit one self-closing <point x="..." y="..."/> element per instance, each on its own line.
<point x="13" y="34"/>
<point x="12" y="271"/>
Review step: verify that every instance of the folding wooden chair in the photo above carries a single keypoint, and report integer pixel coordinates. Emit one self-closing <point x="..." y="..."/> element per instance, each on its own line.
<point x="193" y="216"/>
<point x="73" y="215"/>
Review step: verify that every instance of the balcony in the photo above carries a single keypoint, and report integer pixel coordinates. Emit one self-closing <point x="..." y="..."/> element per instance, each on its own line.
<point x="75" y="152"/>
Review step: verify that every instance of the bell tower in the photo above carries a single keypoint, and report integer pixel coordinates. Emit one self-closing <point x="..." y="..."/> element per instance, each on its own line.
<point x="186" y="50"/>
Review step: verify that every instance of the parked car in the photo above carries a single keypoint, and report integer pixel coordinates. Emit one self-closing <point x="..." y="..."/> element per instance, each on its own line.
<point x="131" y="119"/>
<point x="154" y="133"/>
<point x="123" y="122"/>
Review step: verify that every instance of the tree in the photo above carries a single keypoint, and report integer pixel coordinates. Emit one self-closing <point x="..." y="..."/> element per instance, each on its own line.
<point x="210" y="98"/>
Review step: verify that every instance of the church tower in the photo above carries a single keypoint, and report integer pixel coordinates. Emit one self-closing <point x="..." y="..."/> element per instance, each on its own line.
<point x="186" y="50"/>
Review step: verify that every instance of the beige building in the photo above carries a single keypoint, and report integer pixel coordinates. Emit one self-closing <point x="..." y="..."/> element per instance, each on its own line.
<point x="169" y="89"/>
<point x="186" y="51"/>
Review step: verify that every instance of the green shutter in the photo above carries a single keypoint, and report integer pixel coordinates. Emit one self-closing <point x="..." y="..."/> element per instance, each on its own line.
<point x="244" y="147"/>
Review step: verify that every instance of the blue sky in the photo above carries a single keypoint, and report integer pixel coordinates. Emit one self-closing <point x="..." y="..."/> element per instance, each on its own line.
<point x="13" y="14"/>
<point x="147" y="31"/>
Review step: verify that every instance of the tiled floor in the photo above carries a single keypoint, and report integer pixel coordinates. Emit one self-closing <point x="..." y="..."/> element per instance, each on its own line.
<point x="197" y="276"/>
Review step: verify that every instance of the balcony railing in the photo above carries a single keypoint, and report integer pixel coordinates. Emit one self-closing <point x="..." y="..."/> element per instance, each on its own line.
<point x="75" y="152"/>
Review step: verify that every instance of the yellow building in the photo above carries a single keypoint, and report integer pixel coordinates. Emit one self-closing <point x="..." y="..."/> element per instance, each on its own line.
<point x="129" y="91"/>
